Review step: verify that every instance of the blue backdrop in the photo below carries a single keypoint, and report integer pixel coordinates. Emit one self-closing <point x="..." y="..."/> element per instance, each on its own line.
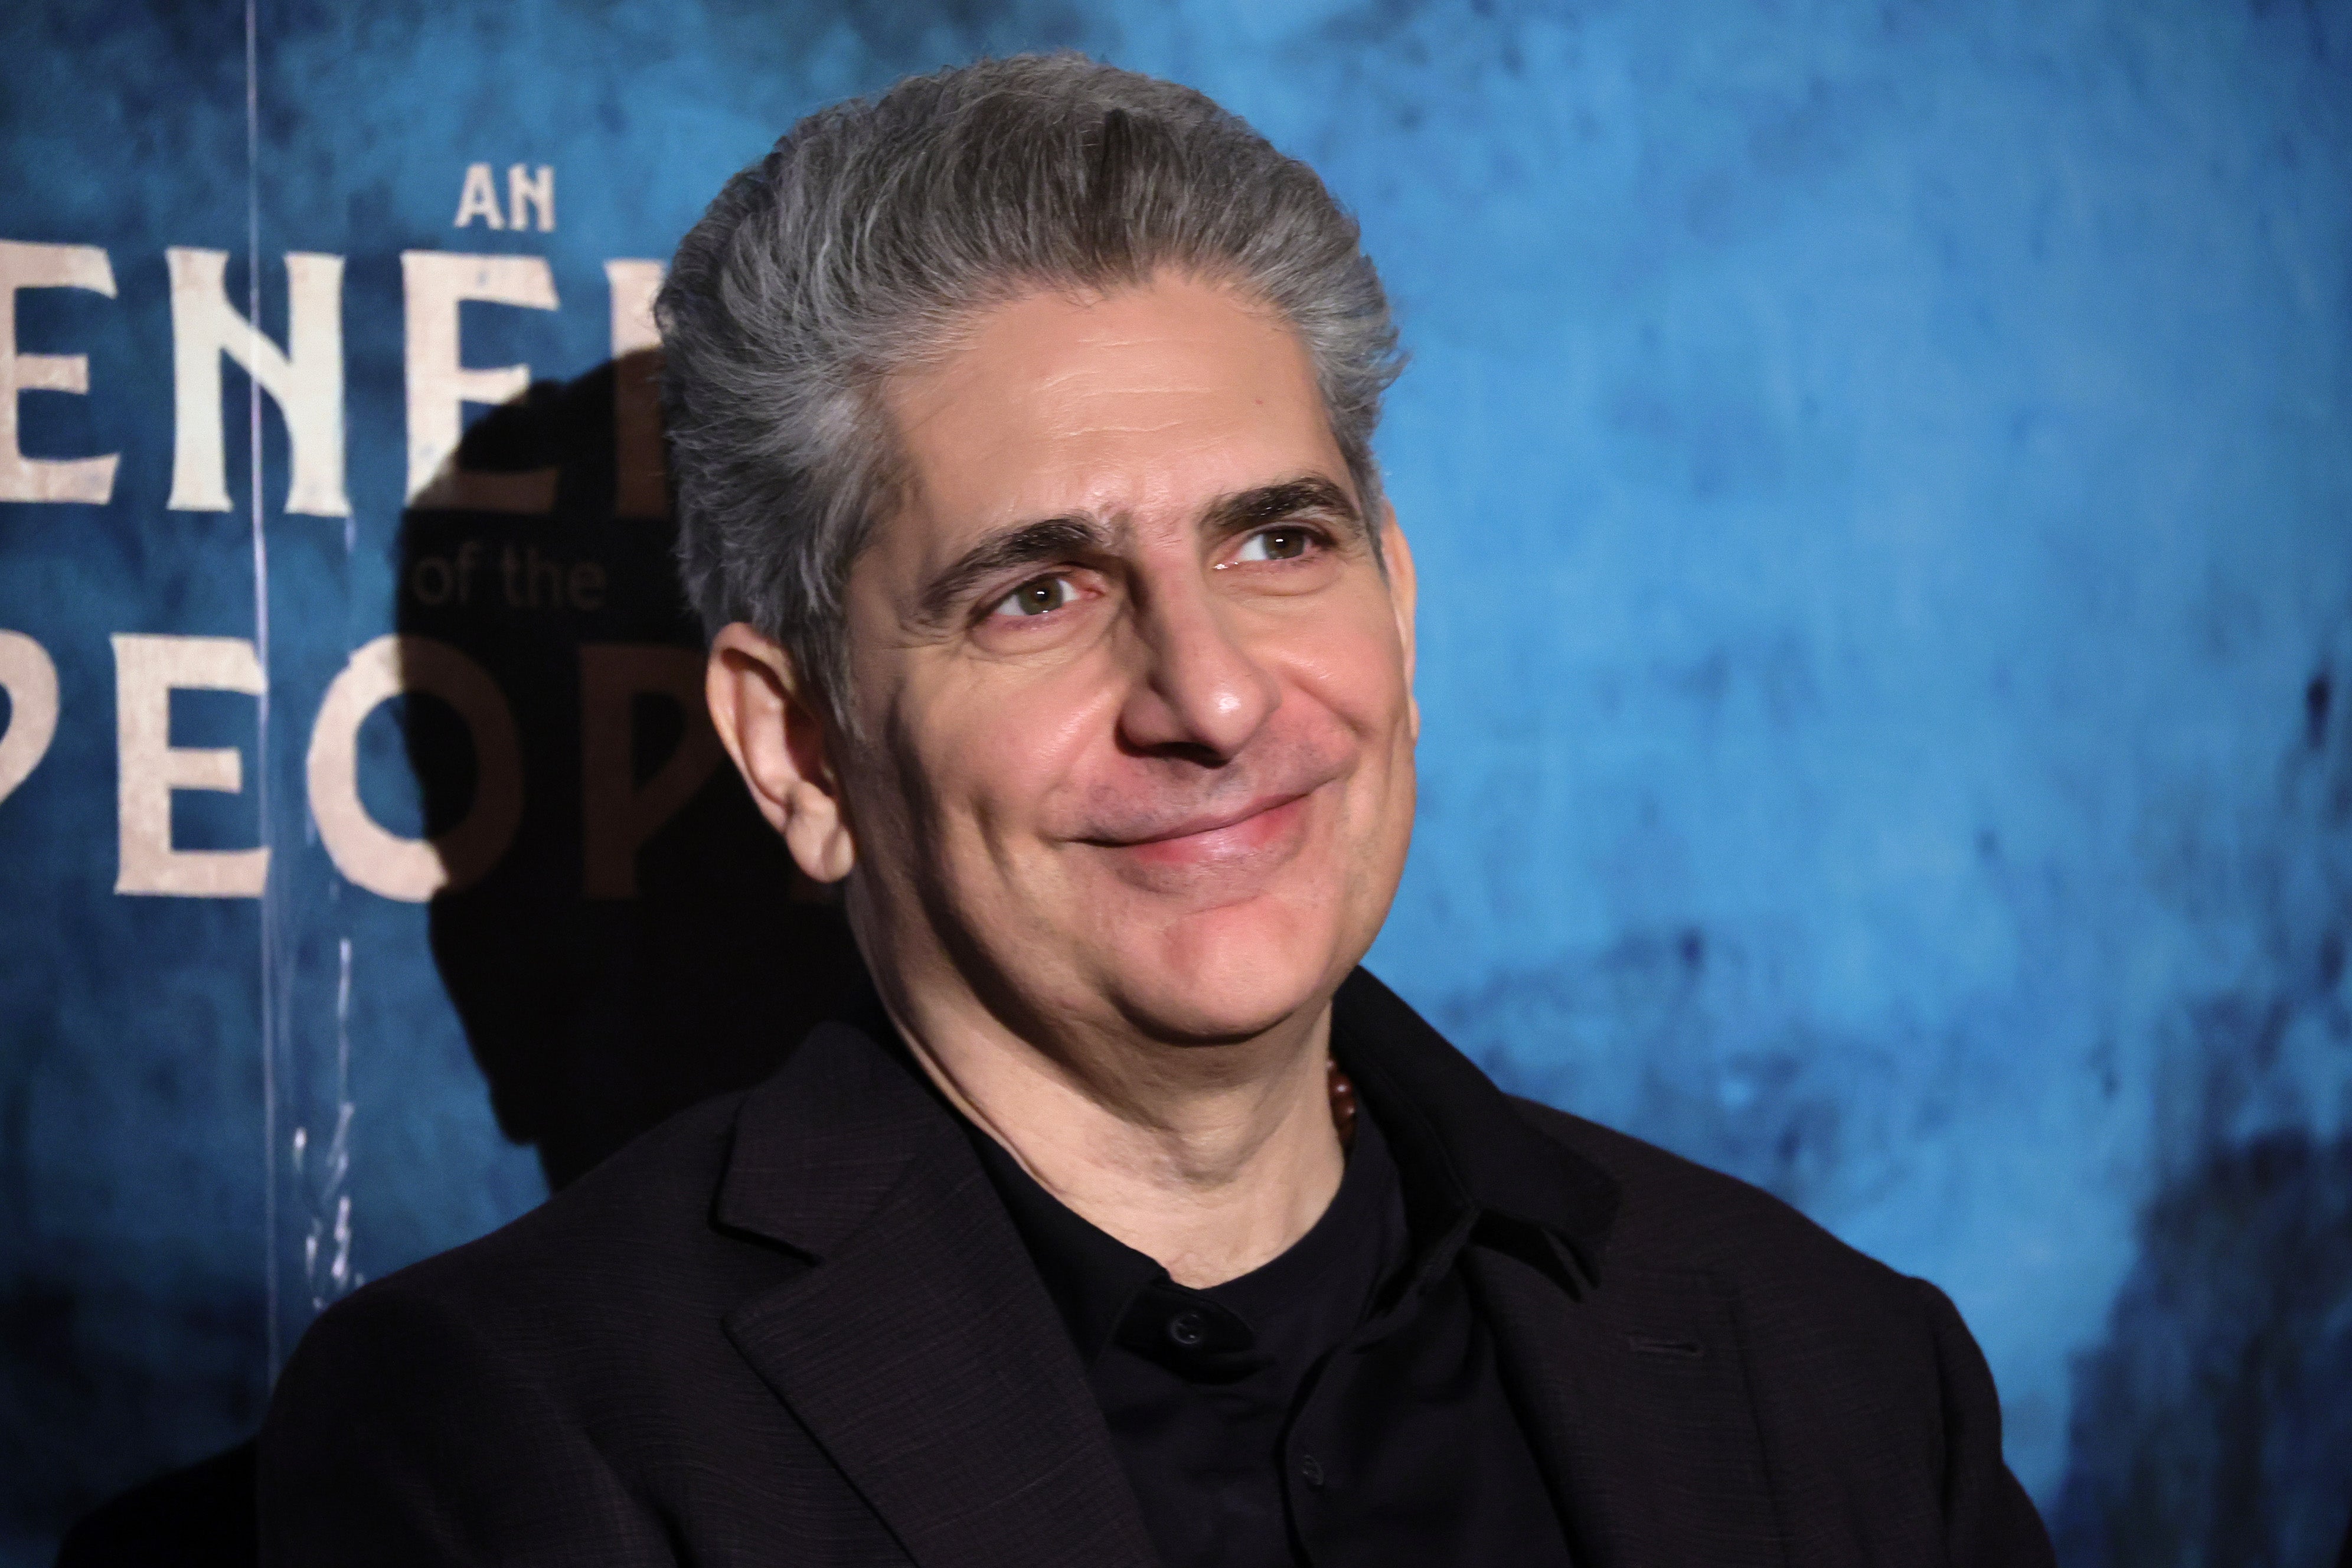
<point x="1882" y="483"/>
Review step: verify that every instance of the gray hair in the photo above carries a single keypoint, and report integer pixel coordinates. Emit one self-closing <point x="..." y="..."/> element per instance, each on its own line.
<point x="878" y="229"/>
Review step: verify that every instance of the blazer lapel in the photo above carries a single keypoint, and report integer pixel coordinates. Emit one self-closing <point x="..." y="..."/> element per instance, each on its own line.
<point x="1636" y="1400"/>
<point x="920" y="1350"/>
<point x="1630" y="1381"/>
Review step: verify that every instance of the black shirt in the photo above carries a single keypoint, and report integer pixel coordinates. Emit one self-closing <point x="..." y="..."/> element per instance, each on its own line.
<point x="1340" y="1405"/>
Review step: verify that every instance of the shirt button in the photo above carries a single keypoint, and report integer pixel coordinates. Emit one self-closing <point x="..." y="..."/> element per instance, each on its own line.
<point x="1188" y="1328"/>
<point x="1311" y="1469"/>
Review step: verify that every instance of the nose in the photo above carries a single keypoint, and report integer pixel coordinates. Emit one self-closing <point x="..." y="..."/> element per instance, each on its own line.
<point x="1200" y="694"/>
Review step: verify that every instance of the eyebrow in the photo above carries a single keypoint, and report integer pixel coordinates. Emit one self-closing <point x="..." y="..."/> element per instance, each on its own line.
<point x="1269" y="504"/>
<point x="1025" y="544"/>
<point x="1055" y="540"/>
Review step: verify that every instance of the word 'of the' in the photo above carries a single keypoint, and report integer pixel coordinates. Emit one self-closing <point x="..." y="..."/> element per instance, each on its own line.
<point x="524" y="579"/>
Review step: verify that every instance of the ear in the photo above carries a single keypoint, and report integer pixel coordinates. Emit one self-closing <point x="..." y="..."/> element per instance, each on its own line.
<point x="1404" y="598"/>
<point x="770" y="724"/>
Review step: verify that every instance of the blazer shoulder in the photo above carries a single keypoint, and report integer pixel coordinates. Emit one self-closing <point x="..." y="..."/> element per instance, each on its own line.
<point x="1677" y="1214"/>
<point x="1853" y="1368"/>
<point x="638" y="1223"/>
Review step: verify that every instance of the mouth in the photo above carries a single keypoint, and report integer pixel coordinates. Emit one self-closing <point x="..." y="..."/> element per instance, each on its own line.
<point x="1213" y="838"/>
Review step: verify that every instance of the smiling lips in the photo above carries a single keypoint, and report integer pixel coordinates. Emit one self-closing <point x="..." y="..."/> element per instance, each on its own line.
<point x="1220" y="837"/>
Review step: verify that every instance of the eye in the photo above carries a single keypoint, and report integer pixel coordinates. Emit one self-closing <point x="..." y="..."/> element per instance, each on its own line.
<point x="1287" y="543"/>
<point x="1038" y="596"/>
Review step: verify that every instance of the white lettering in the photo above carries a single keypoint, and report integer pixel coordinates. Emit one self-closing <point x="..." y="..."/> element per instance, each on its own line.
<point x="414" y="869"/>
<point x="306" y="378"/>
<point x="30" y="679"/>
<point x="147" y="670"/>
<point x="436" y="284"/>
<point x="479" y="199"/>
<point x="24" y="265"/>
<point x="526" y="192"/>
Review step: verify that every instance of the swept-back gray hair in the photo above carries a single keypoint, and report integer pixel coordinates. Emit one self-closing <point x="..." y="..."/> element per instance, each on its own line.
<point x="878" y="229"/>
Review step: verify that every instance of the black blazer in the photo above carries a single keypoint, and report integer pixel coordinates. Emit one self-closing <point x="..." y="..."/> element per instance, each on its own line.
<point x="796" y="1327"/>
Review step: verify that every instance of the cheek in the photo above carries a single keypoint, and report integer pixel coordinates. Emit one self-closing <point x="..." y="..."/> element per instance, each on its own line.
<point x="998" y="755"/>
<point x="1355" y="670"/>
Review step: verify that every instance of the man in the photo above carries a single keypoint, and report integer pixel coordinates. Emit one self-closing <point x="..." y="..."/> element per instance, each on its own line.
<point x="1022" y="427"/>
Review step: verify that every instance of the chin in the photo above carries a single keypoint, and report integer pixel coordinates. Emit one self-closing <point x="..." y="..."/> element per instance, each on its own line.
<point x="1232" y="973"/>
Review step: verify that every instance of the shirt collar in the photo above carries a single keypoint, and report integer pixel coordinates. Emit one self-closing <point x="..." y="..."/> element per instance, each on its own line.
<point x="1466" y="1153"/>
<point x="1470" y="1166"/>
<point x="1092" y="1276"/>
<point x="1104" y="1288"/>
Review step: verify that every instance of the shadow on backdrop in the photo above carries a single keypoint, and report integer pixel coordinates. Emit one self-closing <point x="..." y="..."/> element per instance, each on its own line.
<point x="2213" y="1426"/>
<point x="645" y="942"/>
<point x="641" y="941"/>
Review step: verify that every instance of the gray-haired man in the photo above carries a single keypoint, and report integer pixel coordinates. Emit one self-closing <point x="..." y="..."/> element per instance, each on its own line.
<point x="1022" y="428"/>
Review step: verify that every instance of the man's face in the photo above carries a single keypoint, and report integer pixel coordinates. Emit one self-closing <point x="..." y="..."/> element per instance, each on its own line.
<point x="1133" y="691"/>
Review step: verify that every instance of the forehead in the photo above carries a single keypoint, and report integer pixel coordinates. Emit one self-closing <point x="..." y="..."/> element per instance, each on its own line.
<point x="1141" y="403"/>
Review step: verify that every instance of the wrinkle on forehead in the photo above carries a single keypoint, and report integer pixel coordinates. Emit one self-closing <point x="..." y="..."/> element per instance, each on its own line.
<point x="1152" y="370"/>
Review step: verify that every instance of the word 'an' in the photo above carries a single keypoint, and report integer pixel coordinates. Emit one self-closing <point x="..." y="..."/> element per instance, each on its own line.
<point x="528" y="194"/>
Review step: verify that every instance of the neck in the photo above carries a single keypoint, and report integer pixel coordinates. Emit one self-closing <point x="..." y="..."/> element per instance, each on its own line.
<point x="1212" y="1160"/>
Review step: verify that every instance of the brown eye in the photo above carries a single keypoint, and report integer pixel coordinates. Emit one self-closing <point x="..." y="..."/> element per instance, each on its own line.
<point x="1035" y="598"/>
<point x="1275" y="544"/>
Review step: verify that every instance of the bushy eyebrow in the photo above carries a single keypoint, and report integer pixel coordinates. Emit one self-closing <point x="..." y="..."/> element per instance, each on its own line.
<point x="1055" y="540"/>
<point x="1269" y="504"/>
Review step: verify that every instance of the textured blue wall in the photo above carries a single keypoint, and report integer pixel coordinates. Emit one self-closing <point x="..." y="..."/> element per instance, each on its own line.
<point x="1883" y="477"/>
